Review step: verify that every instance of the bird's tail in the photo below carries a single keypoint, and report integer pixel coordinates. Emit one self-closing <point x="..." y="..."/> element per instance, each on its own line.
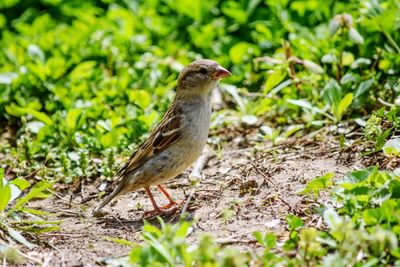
<point x="110" y="197"/>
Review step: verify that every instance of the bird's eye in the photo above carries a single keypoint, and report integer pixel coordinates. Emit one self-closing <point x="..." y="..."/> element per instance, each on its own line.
<point x="203" y="70"/>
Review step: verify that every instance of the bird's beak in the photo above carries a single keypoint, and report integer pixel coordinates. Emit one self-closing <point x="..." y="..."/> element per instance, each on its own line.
<point x="220" y="73"/>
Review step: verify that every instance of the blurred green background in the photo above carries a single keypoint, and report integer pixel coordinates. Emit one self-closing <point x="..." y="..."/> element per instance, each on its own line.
<point x="81" y="80"/>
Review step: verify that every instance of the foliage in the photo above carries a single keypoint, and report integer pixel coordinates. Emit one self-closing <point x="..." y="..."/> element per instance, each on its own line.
<point x="71" y="99"/>
<point x="16" y="216"/>
<point x="168" y="247"/>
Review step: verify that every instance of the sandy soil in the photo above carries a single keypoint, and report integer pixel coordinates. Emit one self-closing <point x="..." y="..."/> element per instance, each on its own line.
<point x="242" y="190"/>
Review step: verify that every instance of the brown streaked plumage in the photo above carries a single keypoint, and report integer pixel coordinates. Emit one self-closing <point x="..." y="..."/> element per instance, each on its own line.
<point x="178" y="139"/>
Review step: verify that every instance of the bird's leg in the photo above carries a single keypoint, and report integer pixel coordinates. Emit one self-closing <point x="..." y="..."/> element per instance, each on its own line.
<point x="165" y="193"/>
<point x="156" y="210"/>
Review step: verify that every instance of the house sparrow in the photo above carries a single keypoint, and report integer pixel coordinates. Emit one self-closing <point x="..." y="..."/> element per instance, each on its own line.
<point x="178" y="139"/>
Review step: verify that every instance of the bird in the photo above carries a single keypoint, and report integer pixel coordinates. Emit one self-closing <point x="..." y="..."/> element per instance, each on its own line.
<point x="177" y="141"/>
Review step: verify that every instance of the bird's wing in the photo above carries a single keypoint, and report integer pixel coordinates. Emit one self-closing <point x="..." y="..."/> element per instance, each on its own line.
<point x="165" y="134"/>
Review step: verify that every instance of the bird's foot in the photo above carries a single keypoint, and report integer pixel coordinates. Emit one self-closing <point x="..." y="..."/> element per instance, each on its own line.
<point x="153" y="213"/>
<point x="169" y="205"/>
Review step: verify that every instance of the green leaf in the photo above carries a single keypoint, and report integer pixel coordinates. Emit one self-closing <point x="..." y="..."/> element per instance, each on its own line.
<point x="21" y="183"/>
<point x="234" y="10"/>
<point x="392" y="147"/>
<point x="83" y="70"/>
<point x="303" y="103"/>
<point x="258" y="236"/>
<point x="107" y="140"/>
<point x="312" y="66"/>
<point x="5" y="195"/>
<point x="36" y="191"/>
<point x="274" y="79"/>
<point x="149" y="118"/>
<point x="372" y="216"/>
<point x="72" y="118"/>
<point x="36" y="53"/>
<point x="18" y="237"/>
<point x="183" y="230"/>
<point x="136" y="254"/>
<point x="158" y="247"/>
<point x="238" y="52"/>
<point x="363" y="87"/>
<point x="141" y="98"/>
<point x="7" y="77"/>
<point x="355" y="36"/>
<point x="148" y="228"/>
<point x="332" y="93"/>
<point x="315" y="185"/>
<point x="249" y="119"/>
<point x="270" y="240"/>
<point x="359" y="176"/>
<point x="344" y="104"/>
<point x="16" y="111"/>
<point x="3" y="181"/>
<point x="332" y="219"/>
<point x="294" y="222"/>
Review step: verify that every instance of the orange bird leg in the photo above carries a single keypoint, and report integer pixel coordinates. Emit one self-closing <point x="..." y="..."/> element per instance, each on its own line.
<point x="156" y="210"/>
<point x="165" y="193"/>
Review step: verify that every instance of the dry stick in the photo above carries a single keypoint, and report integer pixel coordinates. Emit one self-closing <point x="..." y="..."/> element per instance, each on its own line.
<point x="235" y="241"/>
<point x="119" y="221"/>
<point x="59" y="252"/>
<point x="9" y="169"/>
<point x="201" y="163"/>
<point x="47" y="260"/>
<point x="232" y="239"/>
<point x="33" y="173"/>
<point x="299" y="212"/>
<point x="30" y="258"/>
<point x="64" y="235"/>
<point x="216" y="101"/>
<point x="196" y="172"/>
<point x="270" y="179"/>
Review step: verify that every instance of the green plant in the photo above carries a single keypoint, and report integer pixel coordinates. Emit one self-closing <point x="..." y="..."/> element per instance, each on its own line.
<point x="168" y="246"/>
<point x="15" y="216"/>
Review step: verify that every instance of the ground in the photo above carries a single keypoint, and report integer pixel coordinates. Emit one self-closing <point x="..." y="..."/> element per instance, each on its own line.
<point x="243" y="189"/>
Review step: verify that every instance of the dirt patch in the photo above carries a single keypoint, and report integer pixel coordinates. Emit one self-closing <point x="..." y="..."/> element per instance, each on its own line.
<point x="243" y="190"/>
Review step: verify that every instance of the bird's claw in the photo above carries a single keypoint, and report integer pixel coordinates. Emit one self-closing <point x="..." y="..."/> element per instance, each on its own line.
<point x="169" y="205"/>
<point x="153" y="213"/>
<point x="164" y="209"/>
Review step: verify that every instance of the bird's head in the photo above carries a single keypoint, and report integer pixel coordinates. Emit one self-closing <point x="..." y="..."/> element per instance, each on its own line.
<point x="200" y="77"/>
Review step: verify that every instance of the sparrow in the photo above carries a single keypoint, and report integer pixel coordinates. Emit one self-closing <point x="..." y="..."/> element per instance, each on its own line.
<point x="178" y="140"/>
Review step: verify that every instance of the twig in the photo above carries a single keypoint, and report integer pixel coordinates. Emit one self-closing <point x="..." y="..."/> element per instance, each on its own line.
<point x="47" y="260"/>
<point x="64" y="235"/>
<point x="9" y="169"/>
<point x="270" y="179"/>
<point x="30" y="258"/>
<point x="216" y="101"/>
<point x="383" y="102"/>
<point x="118" y="220"/>
<point x="290" y="206"/>
<point x="33" y="173"/>
<point x="61" y="254"/>
<point x="188" y="201"/>
<point x="235" y="241"/>
<point x="89" y="197"/>
<point x="201" y="163"/>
